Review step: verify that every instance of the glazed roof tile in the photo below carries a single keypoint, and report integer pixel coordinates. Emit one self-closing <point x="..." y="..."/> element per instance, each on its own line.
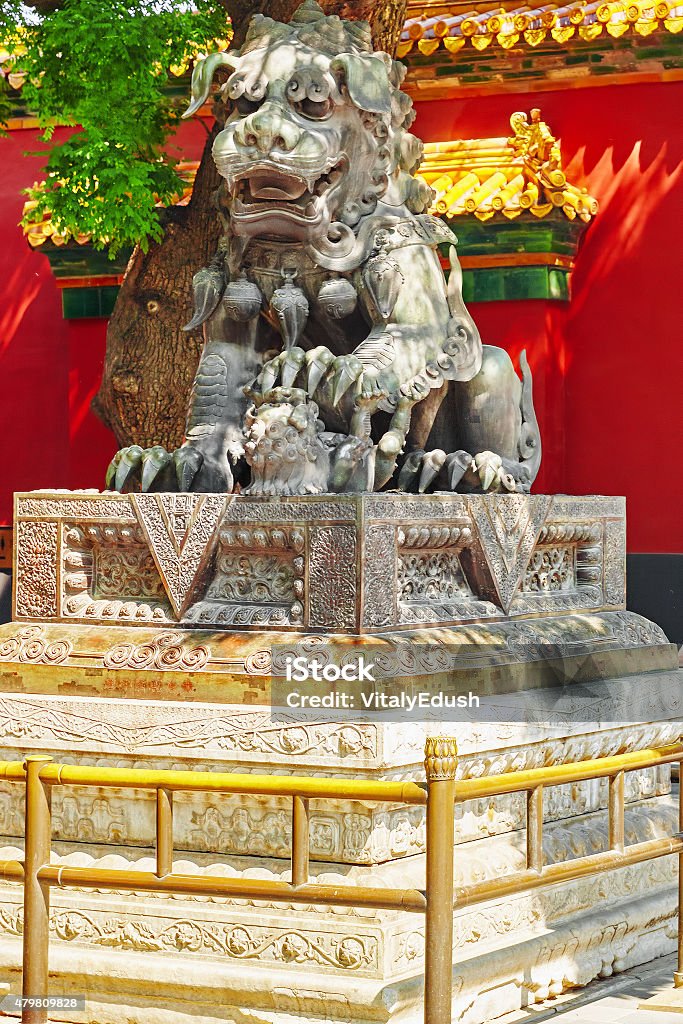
<point x="504" y="176"/>
<point x="454" y="26"/>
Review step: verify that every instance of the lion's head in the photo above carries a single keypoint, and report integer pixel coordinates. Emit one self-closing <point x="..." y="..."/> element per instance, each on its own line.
<point x="316" y="137"/>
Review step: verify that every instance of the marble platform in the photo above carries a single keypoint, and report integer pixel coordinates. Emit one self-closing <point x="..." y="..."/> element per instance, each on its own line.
<point x="147" y="631"/>
<point x="335" y="563"/>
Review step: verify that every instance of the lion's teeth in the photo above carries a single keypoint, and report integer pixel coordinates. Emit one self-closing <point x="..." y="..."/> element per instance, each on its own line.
<point x="310" y="209"/>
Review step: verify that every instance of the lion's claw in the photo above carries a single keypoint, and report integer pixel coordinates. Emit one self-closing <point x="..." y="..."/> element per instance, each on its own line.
<point x="345" y="371"/>
<point x="292" y="361"/>
<point x="318" y="362"/>
<point x="270" y="373"/>
<point x="155" y="464"/>
<point x="123" y="466"/>
<point x="308" y="370"/>
<point x="421" y="469"/>
<point x="484" y="472"/>
<point x="187" y="462"/>
<point x="155" y="469"/>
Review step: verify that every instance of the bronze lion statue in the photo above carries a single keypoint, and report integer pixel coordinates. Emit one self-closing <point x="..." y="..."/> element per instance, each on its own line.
<point x="327" y="291"/>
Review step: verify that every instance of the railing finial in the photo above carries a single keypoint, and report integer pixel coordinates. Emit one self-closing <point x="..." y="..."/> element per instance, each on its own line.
<point x="441" y="757"/>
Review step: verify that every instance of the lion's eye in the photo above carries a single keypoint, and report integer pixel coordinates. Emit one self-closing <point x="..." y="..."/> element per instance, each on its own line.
<point x="246" y="106"/>
<point x="315" y="110"/>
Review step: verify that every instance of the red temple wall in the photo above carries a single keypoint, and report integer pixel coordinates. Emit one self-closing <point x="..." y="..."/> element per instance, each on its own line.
<point x="607" y="368"/>
<point x="49" y="367"/>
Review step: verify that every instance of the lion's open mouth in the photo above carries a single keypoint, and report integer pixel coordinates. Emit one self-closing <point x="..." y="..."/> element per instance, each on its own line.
<point x="263" y="187"/>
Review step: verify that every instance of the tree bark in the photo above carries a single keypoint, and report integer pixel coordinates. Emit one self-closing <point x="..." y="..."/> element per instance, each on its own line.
<point x="150" y="361"/>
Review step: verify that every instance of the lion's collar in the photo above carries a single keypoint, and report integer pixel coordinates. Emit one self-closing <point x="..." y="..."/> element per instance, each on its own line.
<point x="345" y="251"/>
<point x="380" y="234"/>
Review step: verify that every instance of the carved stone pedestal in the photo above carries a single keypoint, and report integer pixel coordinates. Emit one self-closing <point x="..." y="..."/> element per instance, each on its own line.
<point x="120" y="654"/>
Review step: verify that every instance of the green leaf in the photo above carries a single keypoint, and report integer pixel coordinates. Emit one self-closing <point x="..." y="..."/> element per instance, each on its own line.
<point x="103" y="67"/>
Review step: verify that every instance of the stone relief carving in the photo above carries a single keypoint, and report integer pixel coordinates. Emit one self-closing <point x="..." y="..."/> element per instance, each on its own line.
<point x="264" y="563"/>
<point x="110" y="562"/>
<point x="241" y="831"/>
<point x="127" y="574"/>
<point x="163" y="652"/>
<point x="379" y="580"/>
<point x="31" y="647"/>
<point x="91" y="820"/>
<point x="36" y="569"/>
<point x="276" y="510"/>
<point x="238" y="942"/>
<point x="180" y="529"/>
<point x="83" y="507"/>
<point x="471" y="926"/>
<point x="615" y="553"/>
<point x="402" y="509"/>
<point x="233" y="732"/>
<point x="259" y="577"/>
<point x="525" y="914"/>
<point x="431" y="576"/>
<point x="507" y="531"/>
<point x="550" y="570"/>
<point x="332" y="575"/>
<point x="108" y="573"/>
<point x="570" y="506"/>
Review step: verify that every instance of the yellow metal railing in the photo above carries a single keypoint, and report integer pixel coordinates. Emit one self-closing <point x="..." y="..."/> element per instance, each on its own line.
<point x="438" y="900"/>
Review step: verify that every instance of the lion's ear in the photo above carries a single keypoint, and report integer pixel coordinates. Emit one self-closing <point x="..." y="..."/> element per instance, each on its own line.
<point x="202" y="77"/>
<point x="367" y="81"/>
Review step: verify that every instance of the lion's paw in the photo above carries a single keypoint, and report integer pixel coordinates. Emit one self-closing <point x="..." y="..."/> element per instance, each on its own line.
<point x="155" y="469"/>
<point x="483" y="473"/>
<point x="324" y="377"/>
<point x="433" y="470"/>
<point x="294" y="367"/>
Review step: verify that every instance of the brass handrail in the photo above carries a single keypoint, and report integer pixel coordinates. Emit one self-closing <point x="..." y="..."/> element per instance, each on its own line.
<point x="561" y="774"/>
<point x="440" y="794"/>
<point x="230" y="783"/>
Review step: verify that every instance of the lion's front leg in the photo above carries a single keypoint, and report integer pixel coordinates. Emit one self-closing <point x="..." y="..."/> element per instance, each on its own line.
<point x="210" y="457"/>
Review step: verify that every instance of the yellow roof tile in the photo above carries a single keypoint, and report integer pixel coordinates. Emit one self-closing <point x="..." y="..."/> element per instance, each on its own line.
<point x="454" y="27"/>
<point x="504" y="176"/>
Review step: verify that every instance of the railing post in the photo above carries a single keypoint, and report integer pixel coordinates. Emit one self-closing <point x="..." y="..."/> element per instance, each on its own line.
<point x="534" y="828"/>
<point x="678" y="974"/>
<point x="164" y="842"/>
<point x="300" y="840"/>
<point x="440" y="765"/>
<point x="616" y="812"/>
<point x="38" y="833"/>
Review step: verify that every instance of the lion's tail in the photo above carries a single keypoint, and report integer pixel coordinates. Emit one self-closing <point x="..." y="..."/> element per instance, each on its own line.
<point x="530" y="436"/>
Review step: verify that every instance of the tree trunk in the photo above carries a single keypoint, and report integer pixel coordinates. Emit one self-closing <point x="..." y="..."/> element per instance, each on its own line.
<point x="150" y="361"/>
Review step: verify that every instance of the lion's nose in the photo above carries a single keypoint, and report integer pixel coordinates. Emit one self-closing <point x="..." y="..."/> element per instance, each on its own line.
<point x="267" y="129"/>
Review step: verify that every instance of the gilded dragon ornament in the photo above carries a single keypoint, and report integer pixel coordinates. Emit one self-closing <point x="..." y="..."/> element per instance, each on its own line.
<point x="336" y="356"/>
